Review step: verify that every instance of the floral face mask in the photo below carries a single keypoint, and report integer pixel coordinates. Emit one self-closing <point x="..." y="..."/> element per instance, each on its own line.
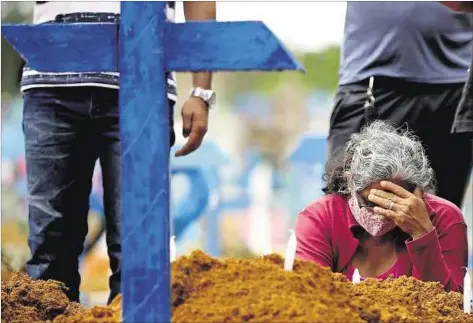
<point x="375" y="224"/>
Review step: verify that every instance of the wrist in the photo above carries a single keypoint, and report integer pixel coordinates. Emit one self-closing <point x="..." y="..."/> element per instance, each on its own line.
<point x="422" y="232"/>
<point x="205" y="95"/>
<point x="202" y="85"/>
<point x="200" y="100"/>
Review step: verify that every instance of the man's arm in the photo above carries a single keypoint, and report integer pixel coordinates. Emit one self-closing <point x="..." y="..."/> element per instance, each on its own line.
<point x="200" y="10"/>
<point x="195" y="110"/>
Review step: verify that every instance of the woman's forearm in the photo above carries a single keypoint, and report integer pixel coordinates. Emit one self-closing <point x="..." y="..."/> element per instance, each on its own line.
<point x="441" y="260"/>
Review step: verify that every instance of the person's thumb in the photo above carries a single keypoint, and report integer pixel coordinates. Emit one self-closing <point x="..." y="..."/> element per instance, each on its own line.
<point x="419" y="192"/>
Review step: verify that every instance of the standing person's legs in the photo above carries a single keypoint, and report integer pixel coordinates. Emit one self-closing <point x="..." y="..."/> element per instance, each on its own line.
<point x="347" y="117"/>
<point x="60" y="158"/>
<point x="105" y="104"/>
<point x="451" y="155"/>
<point x="430" y="116"/>
<point x="348" y="114"/>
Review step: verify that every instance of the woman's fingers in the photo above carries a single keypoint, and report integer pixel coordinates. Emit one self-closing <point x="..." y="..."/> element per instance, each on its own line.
<point x="387" y="213"/>
<point x="382" y="202"/>
<point x="385" y="195"/>
<point x="391" y="215"/>
<point x="396" y="189"/>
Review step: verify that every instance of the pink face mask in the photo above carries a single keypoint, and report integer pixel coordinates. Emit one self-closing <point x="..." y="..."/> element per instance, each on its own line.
<point x="375" y="224"/>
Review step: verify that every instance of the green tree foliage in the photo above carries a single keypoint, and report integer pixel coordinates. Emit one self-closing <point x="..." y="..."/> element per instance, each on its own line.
<point x="321" y="73"/>
<point x="322" y="69"/>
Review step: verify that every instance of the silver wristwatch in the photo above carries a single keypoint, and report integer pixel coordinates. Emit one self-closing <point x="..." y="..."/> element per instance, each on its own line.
<point x="208" y="96"/>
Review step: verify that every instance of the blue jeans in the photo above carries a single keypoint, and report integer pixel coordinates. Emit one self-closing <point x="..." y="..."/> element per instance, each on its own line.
<point x="66" y="131"/>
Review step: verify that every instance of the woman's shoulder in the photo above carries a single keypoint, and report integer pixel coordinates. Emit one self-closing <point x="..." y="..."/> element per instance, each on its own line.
<point x="325" y="206"/>
<point x="442" y="211"/>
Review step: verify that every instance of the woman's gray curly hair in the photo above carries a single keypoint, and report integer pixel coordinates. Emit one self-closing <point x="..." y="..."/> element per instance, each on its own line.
<point x="379" y="152"/>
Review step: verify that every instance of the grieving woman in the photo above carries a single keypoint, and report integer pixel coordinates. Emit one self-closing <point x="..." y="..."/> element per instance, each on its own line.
<point x="380" y="214"/>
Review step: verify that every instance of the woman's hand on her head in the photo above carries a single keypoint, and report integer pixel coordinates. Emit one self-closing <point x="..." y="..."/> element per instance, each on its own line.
<point x="404" y="208"/>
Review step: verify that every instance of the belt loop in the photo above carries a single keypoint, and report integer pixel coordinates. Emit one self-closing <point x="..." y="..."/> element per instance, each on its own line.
<point x="370" y="112"/>
<point x="369" y="92"/>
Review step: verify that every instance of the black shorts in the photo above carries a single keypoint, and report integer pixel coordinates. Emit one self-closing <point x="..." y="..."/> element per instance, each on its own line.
<point x="463" y="123"/>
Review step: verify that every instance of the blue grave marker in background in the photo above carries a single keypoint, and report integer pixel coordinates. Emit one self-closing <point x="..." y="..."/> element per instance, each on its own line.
<point x="142" y="48"/>
<point x="307" y="163"/>
<point x="201" y="168"/>
<point x="311" y="149"/>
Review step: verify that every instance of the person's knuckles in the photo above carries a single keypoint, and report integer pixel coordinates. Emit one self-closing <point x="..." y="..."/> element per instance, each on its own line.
<point x="403" y="208"/>
<point x="378" y="192"/>
<point x="389" y="214"/>
<point x="373" y="197"/>
<point x="193" y="143"/>
<point x="189" y="145"/>
<point x="401" y="220"/>
<point x="398" y="222"/>
<point x="409" y="205"/>
<point x="201" y="128"/>
<point x="186" y="112"/>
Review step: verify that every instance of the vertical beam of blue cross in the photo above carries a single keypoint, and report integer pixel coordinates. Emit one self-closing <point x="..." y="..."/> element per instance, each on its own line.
<point x="144" y="132"/>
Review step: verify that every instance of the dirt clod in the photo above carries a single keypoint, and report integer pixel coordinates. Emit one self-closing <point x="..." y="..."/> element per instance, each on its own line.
<point x="26" y="300"/>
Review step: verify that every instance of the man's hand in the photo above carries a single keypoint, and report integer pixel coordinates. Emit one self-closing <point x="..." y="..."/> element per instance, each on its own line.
<point x="195" y="112"/>
<point x="404" y="208"/>
<point x="195" y="116"/>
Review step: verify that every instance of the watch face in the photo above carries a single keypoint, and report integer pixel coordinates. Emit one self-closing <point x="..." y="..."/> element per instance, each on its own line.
<point x="211" y="99"/>
<point x="207" y="95"/>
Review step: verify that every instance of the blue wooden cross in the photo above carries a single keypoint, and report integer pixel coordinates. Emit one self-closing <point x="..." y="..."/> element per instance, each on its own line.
<point x="142" y="48"/>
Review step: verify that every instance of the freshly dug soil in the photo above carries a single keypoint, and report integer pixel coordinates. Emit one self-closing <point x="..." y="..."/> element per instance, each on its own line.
<point x="98" y="314"/>
<point x="25" y="300"/>
<point x="258" y="290"/>
<point x="407" y="300"/>
<point x="205" y="289"/>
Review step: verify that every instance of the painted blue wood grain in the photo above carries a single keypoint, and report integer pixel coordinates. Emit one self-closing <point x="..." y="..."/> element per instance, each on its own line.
<point x="192" y="46"/>
<point x="144" y="132"/>
<point x="61" y="47"/>
<point x="225" y="46"/>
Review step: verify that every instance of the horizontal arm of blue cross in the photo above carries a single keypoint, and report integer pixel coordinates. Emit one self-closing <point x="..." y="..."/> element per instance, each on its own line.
<point x="191" y="46"/>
